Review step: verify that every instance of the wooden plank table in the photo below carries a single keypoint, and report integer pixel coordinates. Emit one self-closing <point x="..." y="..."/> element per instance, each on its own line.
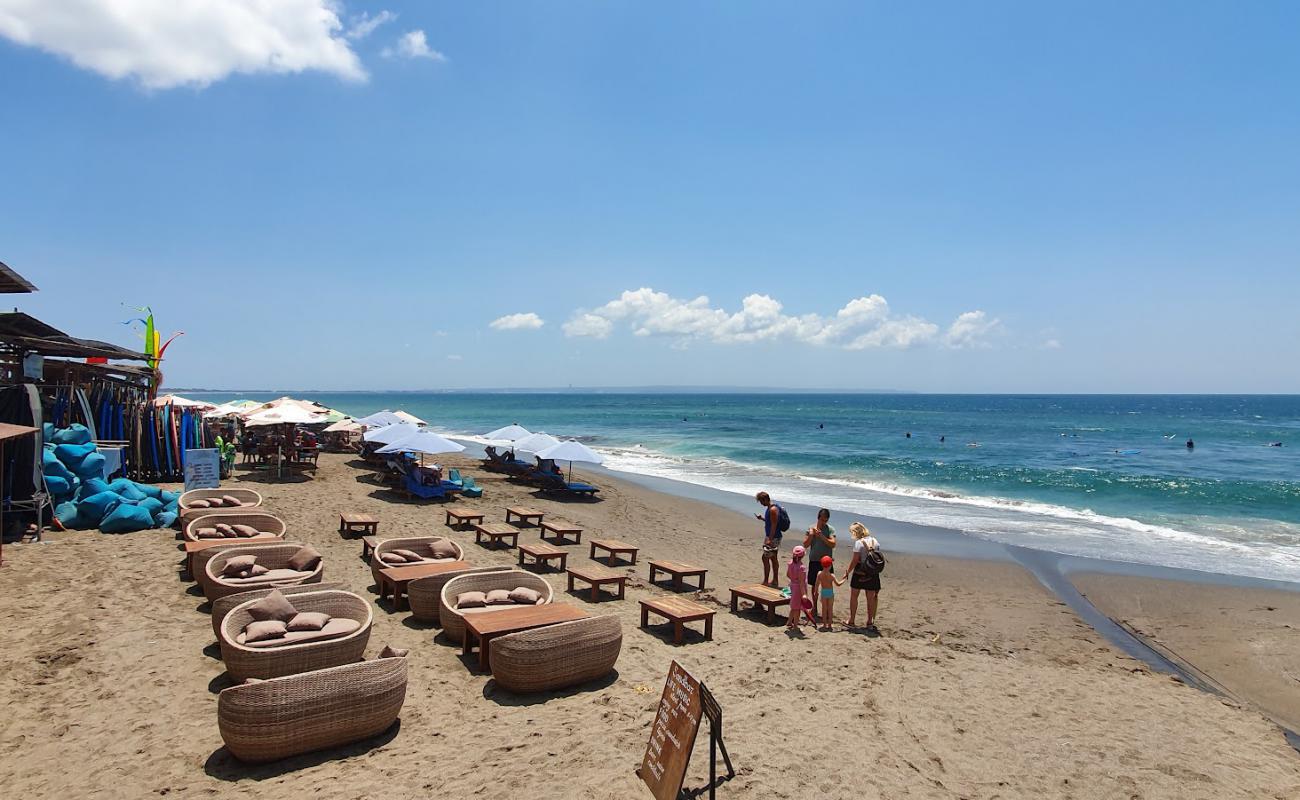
<point x="487" y="626"/>
<point x="393" y="580"/>
<point x="560" y="531"/>
<point x="543" y="552"/>
<point x="597" y="576"/>
<point x="764" y="597"/>
<point x="522" y="514"/>
<point x="678" y="570"/>
<point x="352" y="522"/>
<point x="368" y="544"/>
<point x="613" y="547"/>
<point x="678" y="611"/>
<point x="495" y="532"/>
<point x="462" y="515"/>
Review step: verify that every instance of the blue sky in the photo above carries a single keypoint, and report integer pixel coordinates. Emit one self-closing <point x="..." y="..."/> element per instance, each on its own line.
<point x="962" y="197"/>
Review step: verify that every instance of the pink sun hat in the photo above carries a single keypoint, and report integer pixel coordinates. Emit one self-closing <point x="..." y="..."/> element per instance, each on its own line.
<point x="798" y="551"/>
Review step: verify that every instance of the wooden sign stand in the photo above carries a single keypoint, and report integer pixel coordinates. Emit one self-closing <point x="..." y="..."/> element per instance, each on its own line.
<point x="713" y="712"/>
<point x="672" y="738"/>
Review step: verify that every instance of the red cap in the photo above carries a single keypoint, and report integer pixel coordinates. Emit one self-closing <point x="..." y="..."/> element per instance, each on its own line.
<point x="826" y="561"/>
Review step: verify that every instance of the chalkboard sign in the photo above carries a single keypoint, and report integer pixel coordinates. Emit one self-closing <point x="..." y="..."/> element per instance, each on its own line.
<point x="202" y="469"/>
<point x="672" y="735"/>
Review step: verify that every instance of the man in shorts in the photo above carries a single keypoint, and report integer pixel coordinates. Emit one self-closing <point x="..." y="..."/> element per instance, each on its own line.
<point x="770" y="518"/>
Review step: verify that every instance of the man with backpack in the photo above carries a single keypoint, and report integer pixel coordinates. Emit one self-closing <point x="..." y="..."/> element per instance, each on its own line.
<point x="864" y="574"/>
<point x="775" y="523"/>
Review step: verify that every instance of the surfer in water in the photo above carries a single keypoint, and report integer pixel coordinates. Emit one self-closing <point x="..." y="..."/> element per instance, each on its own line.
<point x="1190" y="444"/>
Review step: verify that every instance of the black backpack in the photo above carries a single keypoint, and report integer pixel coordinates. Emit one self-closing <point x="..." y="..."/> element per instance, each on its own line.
<point x="782" y="520"/>
<point x="871" y="564"/>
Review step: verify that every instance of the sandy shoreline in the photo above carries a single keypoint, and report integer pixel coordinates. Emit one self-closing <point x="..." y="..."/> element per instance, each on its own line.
<point x="981" y="685"/>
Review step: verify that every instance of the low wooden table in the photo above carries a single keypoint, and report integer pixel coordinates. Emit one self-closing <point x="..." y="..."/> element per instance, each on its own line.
<point x="462" y="515"/>
<point x="523" y="514"/>
<point x="393" y="580"/>
<point x="678" y="611"/>
<point x="560" y="531"/>
<point x="764" y="597"/>
<point x="678" y="570"/>
<point x="368" y="544"/>
<point x="597" y="576"/>
<point x="613" y="547"/>
<point x="495" y="532"/>
<point x="487" y="626"/>
<point x="350" y="522"/>
<point x="542" y="552"/>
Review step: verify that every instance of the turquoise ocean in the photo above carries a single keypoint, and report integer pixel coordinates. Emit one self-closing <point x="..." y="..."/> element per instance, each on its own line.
<point x="1103" y="476"/>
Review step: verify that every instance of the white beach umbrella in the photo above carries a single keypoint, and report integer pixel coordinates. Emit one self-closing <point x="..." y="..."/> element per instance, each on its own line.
<point x="536" y="442"/>
<point x="403" y="416"/>
<point x="390" y="433"/>
<point x="381" y="419"/>
<point x="176" y="401"/>
<point x="572" y="451"/>
<point x="422" y="441"/>
<point x="285" y="415"/>
<point x="509" y="433"/>
<point x="344" y="426"/>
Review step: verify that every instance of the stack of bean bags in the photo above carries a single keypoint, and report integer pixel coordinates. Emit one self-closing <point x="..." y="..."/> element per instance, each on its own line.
<point x="74" y="475"/>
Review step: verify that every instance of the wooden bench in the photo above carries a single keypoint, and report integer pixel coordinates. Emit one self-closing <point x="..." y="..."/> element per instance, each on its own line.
<point x="495" y="532"/>
<point x="597" y="576"/>
<point x="522" y="514"/>
<point x="560" y="531"/>
<point x="462" y="515"/>
<point x="542" y="552"/>
<point x="368" y="544"/>
<point x="393" y="580"/>
<point x="678" y="611"/>
<point x="763" y="597"/>
<point x="351" y="522"/>
<point x="678" y="570"/>
<point x="613" y="547"/>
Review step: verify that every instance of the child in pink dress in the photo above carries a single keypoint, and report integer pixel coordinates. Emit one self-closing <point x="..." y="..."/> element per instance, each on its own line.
<point x="797" y="574"/>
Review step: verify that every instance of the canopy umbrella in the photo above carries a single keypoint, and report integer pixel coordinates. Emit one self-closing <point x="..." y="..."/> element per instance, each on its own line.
<point x="571" y="451"/>
<point x="285" y="415"/>
<point x="390" y="433"/>
<point x="509" y="433"/>
<point x="231" y="409"/>
<point x="344" y="426"/>
<point x="411" y="418"/>
<point x="176" y="401"/>
<point x="381" y="419"/>
<point x="422" y="441"/>
<point x="536" y="442"/>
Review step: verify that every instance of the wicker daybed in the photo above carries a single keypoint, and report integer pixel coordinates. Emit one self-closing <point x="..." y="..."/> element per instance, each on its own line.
<point x="287" y="716"/>
<point x="425" y="594"/>
<point x="275" y="557"/>
<point x="199" y="559"/>
<point x="557" y="656"/>
<point x="222" y="605"/>
<point x="270" y="526"/>
<point x="420" y="545"/>
<point x="243" y="661"/>
<point x="248" y="497"/>
<point x="453" y="621"/>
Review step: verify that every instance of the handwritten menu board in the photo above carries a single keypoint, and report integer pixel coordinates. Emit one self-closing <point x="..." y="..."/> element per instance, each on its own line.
<point x="672" y="735"/>
<point x="202" y="469"/>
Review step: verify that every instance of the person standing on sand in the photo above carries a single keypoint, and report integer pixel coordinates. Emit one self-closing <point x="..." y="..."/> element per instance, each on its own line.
<point x="820" y="543"/>
<point x="771" y="519"/>
<point x="859" y="579"/>
<point x="797" y="573"/>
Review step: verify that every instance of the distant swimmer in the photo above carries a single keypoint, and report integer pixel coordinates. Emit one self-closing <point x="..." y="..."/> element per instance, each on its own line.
<point x="1274" y="444"/>
<point x="820" y="426"/>
<point x="908" y="434"/>
<point x="1190" y="444"/>
<point x="943" y="439"/>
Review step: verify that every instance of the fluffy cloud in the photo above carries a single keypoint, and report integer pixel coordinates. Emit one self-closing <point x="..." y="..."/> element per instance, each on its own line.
<point x="166" y="43"/>
<point x="517" y="322"/>
<point x="864" y="322"/>
<point x="413" y="44"/>
<point x="365" y="24"/>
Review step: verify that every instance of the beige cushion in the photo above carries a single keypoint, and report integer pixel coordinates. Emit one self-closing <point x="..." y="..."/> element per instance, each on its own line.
<point x="499" y="597"/>
<point x="333" y="629"/>
<point x="525" y="596"/>
<point x="305" y="560"/>
<point x="208" y="533"/>
<point x="274" y="606"/>
<point x="233" y="502"/>
<point x="264" y="629"/>
<point x="245" y="530"/>
<point x="199" y="504"/>
<point x="393" y="558"/>
<point x="393" y="652"/>
<point x="409" y="555"/>
<point x="471" y="600"/>
<point x="255" y="571"/>
<point x="309" y="621"/>
<point x="443" y="549"/>
<point x="236" y="565"/>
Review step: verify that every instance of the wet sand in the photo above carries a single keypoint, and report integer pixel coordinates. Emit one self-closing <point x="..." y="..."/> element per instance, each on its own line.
<point x="981" y="683"/>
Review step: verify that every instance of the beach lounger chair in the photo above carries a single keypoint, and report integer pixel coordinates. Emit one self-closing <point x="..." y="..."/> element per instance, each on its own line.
<point x="453" y="476"/>
<point x="413" y="488"/>
<point x="297" y="714"/>
<point x="557" y="656"/>
<point x="557" y="485"/>
<point x="295" y="654"/>
<point x="470" y="487"/>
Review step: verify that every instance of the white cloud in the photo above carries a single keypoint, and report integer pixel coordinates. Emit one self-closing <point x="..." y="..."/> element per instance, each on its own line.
<point x="413" y="44"/>
<point x="970" y="329"/>
<point x="517" y="322"/>
<point x="454" y="357"/>
<point x="863" y="322"/>
<point x="1052" y="344"/>
<point x="364" y="25"/>
<point x="163" y="44"/>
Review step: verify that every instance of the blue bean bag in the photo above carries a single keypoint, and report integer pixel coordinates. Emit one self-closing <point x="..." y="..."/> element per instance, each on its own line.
<point x="52" y="466"/>
<point x="59" y="487"/>
<point x="153" y="505"/>
<point x="47" y="431"/>
<point x="127" y="489"/>
<point x="95" y="507"/>
<point x="170" y="498"/>
<point x="73" y="434"/>
<point x="126" y="517"/>
<point x="150" y="491"/>
<point x="92" y="466"/>
<point x="68" y="515"/>
<point x="73" y="454"/>
<point x="92" y="486"/>
<point x="166" y="519"/>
